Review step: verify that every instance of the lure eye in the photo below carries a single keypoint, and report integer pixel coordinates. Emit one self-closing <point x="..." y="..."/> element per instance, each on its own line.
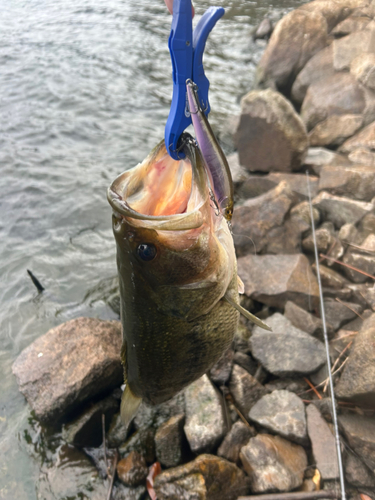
<point x="146" y="251"/>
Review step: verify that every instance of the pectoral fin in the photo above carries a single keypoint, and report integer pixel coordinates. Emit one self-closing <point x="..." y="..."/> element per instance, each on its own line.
<point x="246" y="313"/>
<point x="129" y="405"/>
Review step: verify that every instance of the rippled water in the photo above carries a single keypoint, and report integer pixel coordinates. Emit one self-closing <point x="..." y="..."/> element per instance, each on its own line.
<point x="85" y="89"/>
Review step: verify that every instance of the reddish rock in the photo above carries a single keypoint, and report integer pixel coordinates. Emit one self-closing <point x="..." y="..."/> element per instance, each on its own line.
<point x="132" y="470"/>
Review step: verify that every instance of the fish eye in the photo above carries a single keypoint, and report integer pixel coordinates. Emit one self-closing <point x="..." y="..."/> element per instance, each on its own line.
<point x="146" y="251"/>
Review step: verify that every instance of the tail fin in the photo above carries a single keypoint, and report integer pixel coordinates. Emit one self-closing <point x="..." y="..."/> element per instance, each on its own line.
<point x="129" y="405"/>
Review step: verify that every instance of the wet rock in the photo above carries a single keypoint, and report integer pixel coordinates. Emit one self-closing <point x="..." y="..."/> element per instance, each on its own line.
<point x="86" y="429"/>
<point x="323" y="444"/>
<point x="349" y="47"/>
<point x="350" y="25"/>
<point x="169" y="441"/>
<point x="324" y="240"/>
<point x="303" y="319"/>
<point x="275" y="279"/>
<point x="264" y="29"/>
<point x="270" y="134"/>
<point x="254" y="221"/>
<point x="364" y="139"/>
<point x="339" y="313"/>
<point x="286" y="350"/>
<point x="334" y="130"/>
<point x="356" y="472"/>
<point x="236" y="438"/>
<point x="142" y="441"/>
<point x="132" y="470"/>
<point x="357" y="181"/>
<point x="245" y="389"/>
<point x="296" y="38"/>
<point x="83" y="355"/>
<point x="341" y="210"/>
<point x="361" y="257"/>
<point x="317" y="158"/>
<point x="363" y="69"/>
<point x="220" y="372"/>
<point x="273" y="463"/>
<point x="357" y="382"/>
<point x="318" y="67"/>
<point x="283" y="413"/>
<point x="339" y="94"/>
<point x="246" y="362"/>
<point x="205" y="425"/>
<point x="300" y="216"/>
<point x="330" y="278"/>
<point x="360" y="434"/>
<point x="215" y="477"/>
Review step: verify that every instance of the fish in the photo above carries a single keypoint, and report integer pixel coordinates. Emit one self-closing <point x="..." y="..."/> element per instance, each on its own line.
<point x="177" y="271"/>
<point x="214" y="158"/>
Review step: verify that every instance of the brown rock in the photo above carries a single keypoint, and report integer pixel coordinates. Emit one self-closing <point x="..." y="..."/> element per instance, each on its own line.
<point x="168" y="441"/>
<point x="334" y="130"/>
<point x="300" y="216"/>
<point x="355" y="181"/>
<point x="68" y="365"/>
<point x="362" y="155"/>
<point x="222" y="479"/>
<point x="324" y="240"/>
<point x="330" y="278"/>
<point x="297" y="183"/>
<point x="339" y="94"/>
<point x="349" y="25"/>
<point x="363" y="69"/>
<point x="341" y="210"/>
<point x="275" y="279"/>
<point x="360" y="434"/>
<point x="357" y="382"/>
<point x="236" y="438"/>
<point x="334" y="11"/>
<point x="245" y="389"/>
<point x="132" y="470"/>
<point x="323" y="444"/>
<point x="270" y="134"/>
<point x="349" y="47"/>
<point x="364" y="139"/>
<point x="273" y="463"/>
<point x="317" y="158"/>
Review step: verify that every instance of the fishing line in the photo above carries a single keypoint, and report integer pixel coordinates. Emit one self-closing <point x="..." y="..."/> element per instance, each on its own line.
<point x="332" y="393"/>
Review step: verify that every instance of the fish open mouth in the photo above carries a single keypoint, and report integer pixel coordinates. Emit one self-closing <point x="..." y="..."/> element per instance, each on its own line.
<point x="161" y="192"/>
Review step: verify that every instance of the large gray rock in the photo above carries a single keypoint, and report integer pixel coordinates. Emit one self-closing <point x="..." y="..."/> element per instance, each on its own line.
<point x="364" y="139"/>
<point x="245" y="389"/>
<point x="363" y="69"/>
<point x="355" y="181"/>
<point x="255" y="221"/>
<point x="68" y="365"/>
<point x="323" y="444"/>
<point x="205" y="425"/>
<point x="206" y="478"/>
<point x="296" y="38"/>
<point x="286" y="350"/>
<point x="349" y="47"/>
<point x="236" y="438"/>
<point x="335" y="129"/>
<point x="339" y="94"/>
<point x="273" y="463"/>
<point x="169" y="440"/>
<point x="357" y="382"/>
<point x="270" y="134"/>
<point x="341" y="210"/>
<point x="360" y="434"/>
<point x="275" y="279"/>
<point x="283" y="413"/>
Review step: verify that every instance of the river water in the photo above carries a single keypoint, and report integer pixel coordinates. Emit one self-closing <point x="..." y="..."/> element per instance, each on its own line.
<point x="85" y="90"/>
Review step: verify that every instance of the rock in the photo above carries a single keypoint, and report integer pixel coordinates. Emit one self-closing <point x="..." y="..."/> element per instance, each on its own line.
<point x="339" y="94"/>
<point x="357" y="181"/>
<point x="297" y="183"/>
<point x="86" y="429"/>
<point x="254" y="221"/>
<point x="357" y="382"/>
<point x="246" y="362"/>
<point x="367" y="292"/>
<point x="217" y="479"/>
<point x="363" y="156"/>
<point x="68" y="365"/>
<point x="334" y="130"/>
<point x="363" y="69"/>
<point x="141" y="441"/>
<point x="356" y="472"/>
<point x="239" y="174"/>
<point x="154" y="416"/>
<point x="361" y="257"/>
<point x="236" y="438"/>
<point x="360" y="434"/>
<point x="270" y="134"/>
<point x="350" y="25"/>
<point x="275" y="279"/>
<point x="256" y="185"/>
<point x="283" y="413"/>
<point x="338" y="313"/>
<point x="264" y="30"/>
<point x="132" y="470"/>
<point x="346" y="49"/>
<point x="245" y="389"/>
<point x="273" y="463"/>
<point x="286" y="350"/>
<point x="318" y="67"/>
<point x="295" y="385"/>
<point x="363" y="139"/>
<point x="332" y="10"/>
<point x="169" y="441"/>
<point x="324" y="240"/>
<point x="205" y="425"/>
<point x="296" y="38"/>
<point x="300" y="216"/>
<point x="330" y="278"/>
<point x="341" y="210"/>
<point x="317" y="158"/>
<point x="348" y="233"/>
<point x="323" y="444"/>
<point x="220" y="372"/>
<point x="302" y="319"/>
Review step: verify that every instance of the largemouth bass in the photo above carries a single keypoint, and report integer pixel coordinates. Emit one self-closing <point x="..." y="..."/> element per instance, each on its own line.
<point x="178" y="276"/>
